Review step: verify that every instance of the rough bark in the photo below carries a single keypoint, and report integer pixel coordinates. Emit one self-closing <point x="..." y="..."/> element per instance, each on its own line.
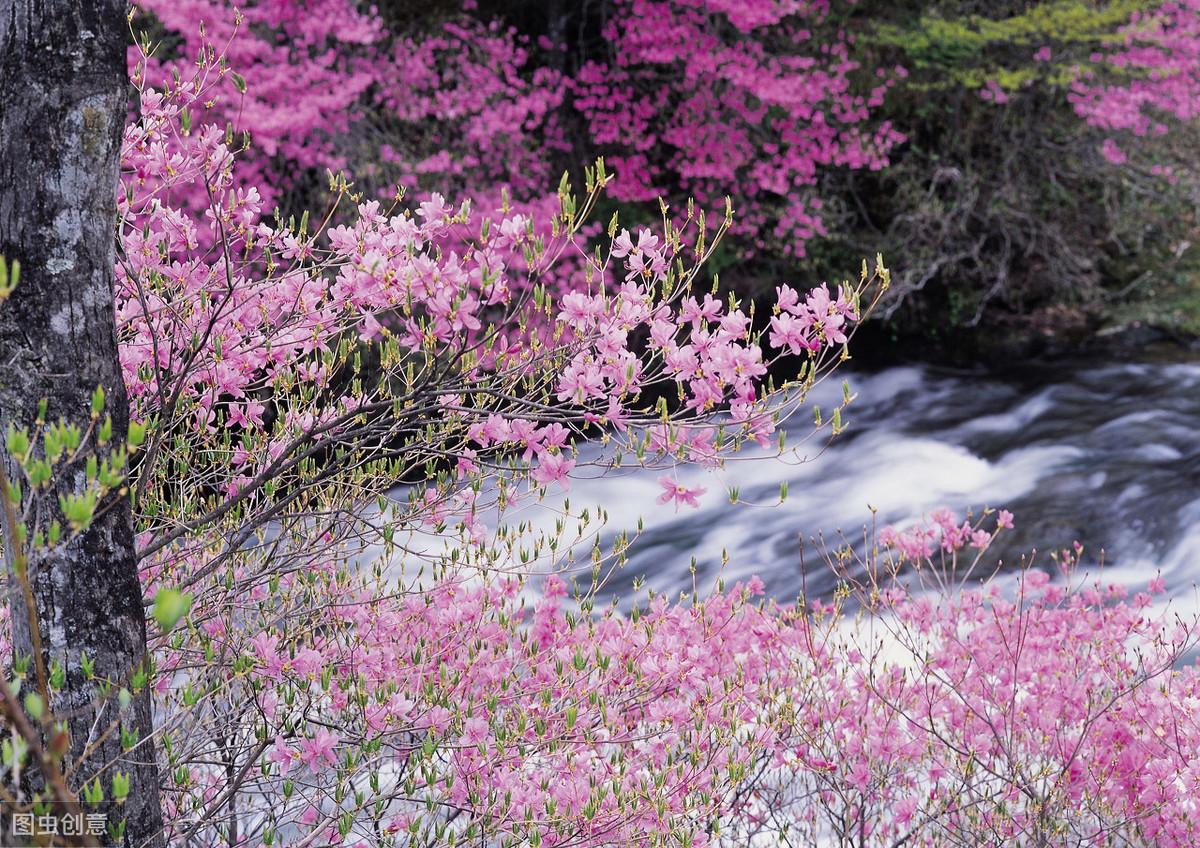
<point x="63" y="92"/>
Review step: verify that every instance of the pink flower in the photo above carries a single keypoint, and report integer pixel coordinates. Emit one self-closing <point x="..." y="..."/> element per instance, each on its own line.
<point x="580" y="310"/>
<point x="553" y="436"/>
<point x="466" y="463"/>
<point x="700" y="313"/>
<point x="246" y="415"/>
<point x="1035" y="578"/>
<point x="308" y="662"/>
<point x="787" y="299"/>
<point x="555" y="587"/>
<point x="792" y="333"/>
<point x="266" y="650"/>
<point x="580" y="381"/>
<point x="701" y="447"/>
<point x="679" y="493"/>
<point x="283" y="755"/>
<point x="552" y="468"/>
<point x="1112" y="152"/>
<point x="369" y="328"/>
<point x="993" y="92"/>
<point x="495" y="430"/>
<point x="438" y="718"/>
<point x="622" y="245"/>
<point x="475" y="730"/>
<point x="433" y="209"/>
<point x="319" y="747"/>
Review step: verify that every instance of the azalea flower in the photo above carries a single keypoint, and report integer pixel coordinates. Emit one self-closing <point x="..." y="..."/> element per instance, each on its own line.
<point x="552" y="468"/>
<point x="283" y="755"/>
<point x="792" y="333"/>
<point x="319" y="747"/>
<point x="679" y="493"/>
<point x="475" y="730"/>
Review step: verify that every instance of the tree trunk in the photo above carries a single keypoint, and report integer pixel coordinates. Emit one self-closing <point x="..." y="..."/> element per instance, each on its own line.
<point x="63" y="94"/>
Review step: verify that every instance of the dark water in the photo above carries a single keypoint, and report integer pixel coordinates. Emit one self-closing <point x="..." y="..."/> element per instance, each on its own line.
<point x="1106" y="455"/>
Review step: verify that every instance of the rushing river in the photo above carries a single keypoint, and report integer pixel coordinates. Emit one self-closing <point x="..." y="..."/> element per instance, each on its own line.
<point x="1107" y="455"/>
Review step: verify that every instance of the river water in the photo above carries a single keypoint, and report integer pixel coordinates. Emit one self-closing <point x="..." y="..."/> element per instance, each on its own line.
<point x="1107" y="455"/>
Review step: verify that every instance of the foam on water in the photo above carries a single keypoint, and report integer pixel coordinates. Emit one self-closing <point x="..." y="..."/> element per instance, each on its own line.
<point x="1105" y="455"/>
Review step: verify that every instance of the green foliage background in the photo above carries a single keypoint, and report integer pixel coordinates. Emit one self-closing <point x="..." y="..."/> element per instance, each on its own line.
<point x="1009" y="215"/>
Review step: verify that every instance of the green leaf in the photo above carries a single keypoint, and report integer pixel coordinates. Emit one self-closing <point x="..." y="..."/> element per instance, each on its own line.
<point x="137" y="433"/>
<point x="170" y="605"/>
<point x="93" y="793"/>
<point x="8" y="277"/>
<point x="120" y="787"/>
<point x="79" y="509"/>
<point x="18" y="443"/>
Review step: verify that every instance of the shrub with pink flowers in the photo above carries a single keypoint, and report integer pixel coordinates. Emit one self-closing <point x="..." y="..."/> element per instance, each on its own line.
<point x="285" y="376"/>
<point x="361" y="638"/>
<point x="757" y="113"/>
<point x="828" y="124"/>
<point x="302" y="74"/>
<point x="1149" y="75"/>
<point x="1026" y="710"/>
<point x="739" y="98"/>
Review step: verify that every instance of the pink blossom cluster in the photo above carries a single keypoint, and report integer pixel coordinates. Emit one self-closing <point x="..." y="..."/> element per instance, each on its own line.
<point x="462" y="712"/>
<point x="708" y="99"/>
<point x="1155" y="76"/>
<point x="306" y="69"/>
<point x="259" y="298"/>
<point x="992" y="92"/>
<point x="820" y="320"/>
<point x="749" y="99"/>
<point x="323" y="85"/>
<point x="463" y="107"/>
<point x="223" y="316"/>
<point x="941" y="531"/>
<point x="1054" y="716"/>
<point x="540" y="724"/>
<point x="731" y="98"/>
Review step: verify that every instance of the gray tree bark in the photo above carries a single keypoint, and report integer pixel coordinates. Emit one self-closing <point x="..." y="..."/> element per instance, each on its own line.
<point x="63" y="96"/>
